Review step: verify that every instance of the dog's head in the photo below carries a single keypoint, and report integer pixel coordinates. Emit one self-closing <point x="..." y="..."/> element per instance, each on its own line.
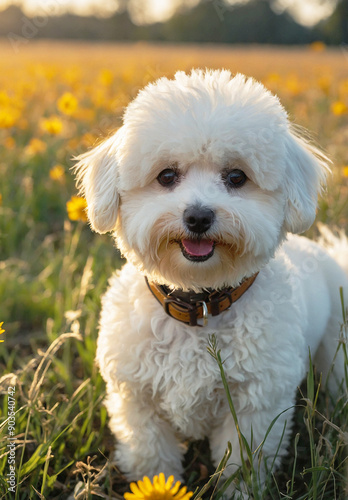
<point x="203" y="180"/>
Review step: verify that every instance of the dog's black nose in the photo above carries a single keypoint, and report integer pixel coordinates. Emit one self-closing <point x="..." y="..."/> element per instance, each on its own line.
<point x="198" y="219"/>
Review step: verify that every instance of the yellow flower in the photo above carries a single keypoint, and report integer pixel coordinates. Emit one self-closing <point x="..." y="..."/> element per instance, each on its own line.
<point x="67" y="103"/>
<point x="57" y="173"/>
<point x="106" y="77"/>
<point x="35" y="146"/>
<point x="52" y="125"/>
<point x="8" y="116"/>
<point x="4" y="98"/>
<point x="339" y="108"/>
<point x="273" y="78"/>
<point x="317" y="46"/>
<point x="0" y="205"/>
<point x="345" y="171"/>
<point x="159" y="489"/>
<point x="293" y="85"/>
<point x="1" y="331"/>
<point x="76" y="208"/>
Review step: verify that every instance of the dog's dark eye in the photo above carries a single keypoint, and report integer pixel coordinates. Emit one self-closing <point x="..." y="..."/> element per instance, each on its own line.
<point x="167" y="177"/>
<point x="235" y="178"/>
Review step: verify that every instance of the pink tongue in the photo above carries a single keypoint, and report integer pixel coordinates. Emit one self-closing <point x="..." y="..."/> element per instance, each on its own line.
<point x="198" y="247"/>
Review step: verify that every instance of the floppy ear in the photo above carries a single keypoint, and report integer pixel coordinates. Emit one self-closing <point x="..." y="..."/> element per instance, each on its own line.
<point x="306" y="170"/>
<point x="96" y="178"/>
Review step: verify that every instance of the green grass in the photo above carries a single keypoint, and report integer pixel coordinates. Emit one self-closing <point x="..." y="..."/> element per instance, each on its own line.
<point x="52" y="275"/>
<point x="63" y="442"/>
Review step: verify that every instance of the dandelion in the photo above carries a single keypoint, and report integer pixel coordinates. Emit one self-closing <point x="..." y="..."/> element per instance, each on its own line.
<point x="52" y="125"/>
<point x="106" y="77"/>
<point x="273" y="78"/>
<point x="345" y="171"/>
<point x="1" y="331"/>
<point x="317" y="46"/>
<point x="0" y="206"/>
<point x="8" y="117"/>
<point x="57" y="173"/>
<point x="35" y="147"/>
<point x="159" y="489"/>
<point x="76" y="208"/>
<point x="4" y="98"/>
<point x="339" y="108"/>
<point x="67" y="103"/>
<point x="293" y="85"/>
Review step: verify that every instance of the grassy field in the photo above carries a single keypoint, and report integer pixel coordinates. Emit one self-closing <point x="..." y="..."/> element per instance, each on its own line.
<point x="56" y="101"/>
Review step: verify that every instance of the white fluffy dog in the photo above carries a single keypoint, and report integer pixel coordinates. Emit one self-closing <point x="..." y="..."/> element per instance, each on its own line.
<point x="202" y="186"/>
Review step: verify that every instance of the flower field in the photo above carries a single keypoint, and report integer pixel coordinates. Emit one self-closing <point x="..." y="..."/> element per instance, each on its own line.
<point x="56" y="101"/>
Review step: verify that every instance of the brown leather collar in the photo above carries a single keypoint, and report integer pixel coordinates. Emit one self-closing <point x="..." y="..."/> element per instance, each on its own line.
<point x="188" y="307"/>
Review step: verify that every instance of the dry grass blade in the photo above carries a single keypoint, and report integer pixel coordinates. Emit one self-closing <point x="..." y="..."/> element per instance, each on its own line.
<point x="45" y="363"/>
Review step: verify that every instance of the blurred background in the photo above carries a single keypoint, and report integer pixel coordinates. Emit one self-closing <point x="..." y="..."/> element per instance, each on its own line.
<point x="222" y="21"/>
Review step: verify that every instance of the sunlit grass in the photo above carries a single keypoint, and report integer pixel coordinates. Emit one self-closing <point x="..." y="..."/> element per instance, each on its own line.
<point x="56" y="101"/>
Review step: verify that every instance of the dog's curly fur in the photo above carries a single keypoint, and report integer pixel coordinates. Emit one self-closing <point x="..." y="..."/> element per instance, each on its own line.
<point x="162" y="384"/>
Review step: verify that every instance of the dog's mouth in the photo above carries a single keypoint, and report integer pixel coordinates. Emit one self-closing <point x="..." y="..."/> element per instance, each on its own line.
<point x="197" y="250"/>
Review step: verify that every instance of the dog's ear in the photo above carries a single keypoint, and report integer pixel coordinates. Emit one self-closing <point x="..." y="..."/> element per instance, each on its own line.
<point x="96" y="178"/>
<point x="306" y="170"/>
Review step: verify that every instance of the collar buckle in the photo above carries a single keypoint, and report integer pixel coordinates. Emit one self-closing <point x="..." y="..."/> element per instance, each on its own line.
<point x="205" y="313"/>
<point x="189" y="308"/>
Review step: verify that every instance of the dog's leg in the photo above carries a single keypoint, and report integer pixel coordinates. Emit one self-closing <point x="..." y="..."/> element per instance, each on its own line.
<point x="254" y="427"/>
<point x="146" y="444"/>
<point x="326" y="359"/>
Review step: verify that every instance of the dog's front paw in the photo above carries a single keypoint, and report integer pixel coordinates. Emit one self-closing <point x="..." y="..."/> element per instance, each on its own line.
<point x="136" y="466"/>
